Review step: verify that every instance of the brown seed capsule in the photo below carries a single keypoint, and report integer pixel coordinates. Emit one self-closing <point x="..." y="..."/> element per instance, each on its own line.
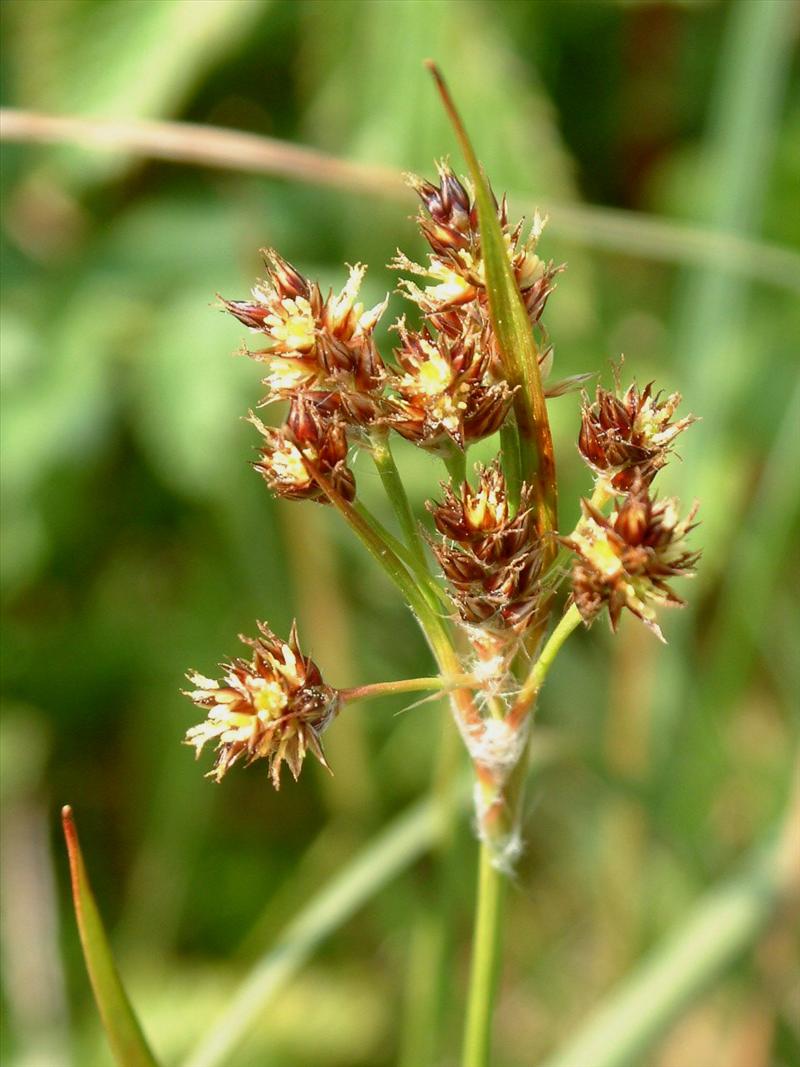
<point x="274" y="706"/>
<point x="309" y="443"/>
<point x="630" y="434"/>
<point x="624" y="561"/>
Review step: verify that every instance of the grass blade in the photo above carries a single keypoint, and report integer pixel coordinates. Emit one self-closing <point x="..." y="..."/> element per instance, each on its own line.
<point x="122" y="1028"/>
<point x="513" y="333"/>
<point x="724" y="923"/>
<point x="395" y="848"/>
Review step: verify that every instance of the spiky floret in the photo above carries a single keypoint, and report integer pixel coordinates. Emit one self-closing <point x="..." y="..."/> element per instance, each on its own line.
<point x="310" y="443"/>
<point x="624" y="560"/>
<point x="441" y="391"/>
<point x="273" y="706"/>
<point x="628" y="434"/>
<point x="491" y="559"/>
<point x="313" y="343"/>
<point x="455" y="273"/>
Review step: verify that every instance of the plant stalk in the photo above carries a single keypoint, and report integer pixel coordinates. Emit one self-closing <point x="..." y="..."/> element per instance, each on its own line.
<point x="455" y="459"/>
<point x="535" y="680"/>
<point x="395" y="490"/>
<point x="436" y="683"/>
<point x="485" y="962"/>
<point x="509" y="450"/>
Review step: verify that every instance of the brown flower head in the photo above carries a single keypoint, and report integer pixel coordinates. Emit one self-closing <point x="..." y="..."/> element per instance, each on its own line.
<point x="310" y="443"/>
<point x="442" y="394"/>
<point x="313" y="344"/>
<point x="628" y="435"/>
<point x="455" y="273"/>
<point x="273" y="706"/>
<point x="493" y="561"/>
<point x="453" y="221"/>
<point x="624" y="560"/>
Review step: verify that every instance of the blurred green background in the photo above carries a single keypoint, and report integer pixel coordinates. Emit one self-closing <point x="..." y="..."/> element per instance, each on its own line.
<point x="138" y="543"/>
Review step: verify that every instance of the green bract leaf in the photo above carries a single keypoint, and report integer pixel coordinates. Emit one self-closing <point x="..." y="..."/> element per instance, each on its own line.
<point x="513" y="334"/>
<point x="122" y="1028"/>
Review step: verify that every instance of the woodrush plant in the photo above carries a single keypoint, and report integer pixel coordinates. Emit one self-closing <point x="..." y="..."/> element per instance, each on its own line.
<point x="485" y="584"/>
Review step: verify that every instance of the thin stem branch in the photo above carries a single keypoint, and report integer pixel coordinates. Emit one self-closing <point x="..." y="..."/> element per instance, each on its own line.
<point x="535" y="680"/>
<point x="455" y="459"/>
<point x="434" y="684"/>
<point x="428" y="583"/>
<point x="485" y="962"/>
<point x="395" y="490"/>
<point x="432" y="625"/>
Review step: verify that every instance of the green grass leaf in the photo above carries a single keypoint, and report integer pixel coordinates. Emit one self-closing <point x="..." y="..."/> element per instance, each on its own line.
<point x="513" y="334"/>
<point x="724" y="923"/>
<point x="122" y="1028"/>
<point x="402" y="842"/>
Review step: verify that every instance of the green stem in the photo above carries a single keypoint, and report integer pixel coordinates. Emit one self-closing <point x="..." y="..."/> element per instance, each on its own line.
<point x="485" y="962"/>
<point x="455" y="459"/>
<point x="535" y="680"/>
<point x="432" y="625"/>
<point x="395" y="490"/>
<point x="437" y="595"/>
<point x="379" y="548"/>
<point x="437" y="683"/>
<point x="509" y="446"/>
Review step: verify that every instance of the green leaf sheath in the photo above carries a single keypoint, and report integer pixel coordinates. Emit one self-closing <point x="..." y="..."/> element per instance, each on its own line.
<point x="125" y="1035"/>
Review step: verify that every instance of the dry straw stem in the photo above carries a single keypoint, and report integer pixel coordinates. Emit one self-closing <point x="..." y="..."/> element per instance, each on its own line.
<point x="629" y="232"/>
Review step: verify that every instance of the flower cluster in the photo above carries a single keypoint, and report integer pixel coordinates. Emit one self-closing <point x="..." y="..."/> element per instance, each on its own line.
<point x="630" y="434"/>
<point x="624" y="560"/>
<point x="306" y="455"/>
<point x="312" y="345"/>
<point x="443" y="396"/>
<point x="321" y="356"/>
<point x="455" y="274"/>
<point x="492" y="560"/>
<point x="444" y="388"/>
<point x="273" y="706"/>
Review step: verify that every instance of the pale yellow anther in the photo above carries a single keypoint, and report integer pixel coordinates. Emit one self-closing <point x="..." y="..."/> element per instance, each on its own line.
<point x="288" y="465"/>
<point x="269" y="700"/>
<point x="434" y="376"/>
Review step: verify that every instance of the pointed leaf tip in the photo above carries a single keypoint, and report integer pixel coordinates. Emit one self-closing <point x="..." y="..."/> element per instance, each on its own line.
<point x="122" y="1028"/>
<point x="512" y="328"/>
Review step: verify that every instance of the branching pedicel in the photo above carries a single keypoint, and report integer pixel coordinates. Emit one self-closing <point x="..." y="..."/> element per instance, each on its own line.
<point x="453" y="380"/>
